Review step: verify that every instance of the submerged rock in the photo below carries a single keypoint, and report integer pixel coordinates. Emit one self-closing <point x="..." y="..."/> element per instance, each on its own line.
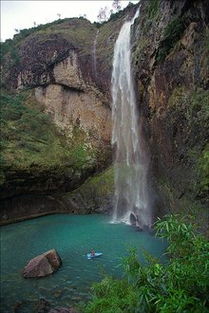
<point x="42" y="265"/>
<point x="43" y="306"/>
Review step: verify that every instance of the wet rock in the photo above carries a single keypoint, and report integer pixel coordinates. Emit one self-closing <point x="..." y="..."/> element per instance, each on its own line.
<point x="57" y="293"/>
<point x="42" y="265"/>
<point x="17" y="307"/>
<point x="133" y="219"/>
<point x="147" y="228"/>
<point x="43" y="306"/>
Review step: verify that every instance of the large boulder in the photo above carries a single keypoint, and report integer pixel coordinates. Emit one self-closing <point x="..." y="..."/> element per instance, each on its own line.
<point x="42" y="265"/>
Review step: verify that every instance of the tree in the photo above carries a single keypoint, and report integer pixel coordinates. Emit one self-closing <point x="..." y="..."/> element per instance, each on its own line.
<point x="103" y="14"/>
<point x="116" y="5"/>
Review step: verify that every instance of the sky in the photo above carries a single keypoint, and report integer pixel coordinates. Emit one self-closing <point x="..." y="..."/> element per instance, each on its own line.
<point x="17" y="14"/>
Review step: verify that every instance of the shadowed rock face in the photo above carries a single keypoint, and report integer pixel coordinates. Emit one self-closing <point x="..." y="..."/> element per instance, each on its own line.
<point x="42" y="265"/>
<point x="171" y="64"/>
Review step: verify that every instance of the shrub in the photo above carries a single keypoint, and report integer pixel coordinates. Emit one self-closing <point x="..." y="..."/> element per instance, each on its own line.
<point x="172" y="34"/>
<point x="204" y="170"/>
<point x="153" y="9"/>
<point x="182" y="285"/>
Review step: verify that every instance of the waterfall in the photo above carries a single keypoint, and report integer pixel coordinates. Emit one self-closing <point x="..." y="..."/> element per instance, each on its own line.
<point x="131" y="201"/>
<point x="94" y="53"/>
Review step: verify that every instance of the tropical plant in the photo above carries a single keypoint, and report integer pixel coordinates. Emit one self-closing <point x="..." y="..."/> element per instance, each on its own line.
<point x="180" y="286"/>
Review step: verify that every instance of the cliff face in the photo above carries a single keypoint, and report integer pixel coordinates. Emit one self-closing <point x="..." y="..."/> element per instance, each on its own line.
<point x="67" y="66"/>
<point x="60" y="72"/>
<point x="171" y="65"/>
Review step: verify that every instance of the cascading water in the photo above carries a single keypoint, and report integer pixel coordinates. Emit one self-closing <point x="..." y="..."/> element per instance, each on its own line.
<point x="131" y="199"/>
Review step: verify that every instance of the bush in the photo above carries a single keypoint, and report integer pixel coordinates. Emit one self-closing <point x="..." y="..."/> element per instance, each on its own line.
<point x="153" y="9"/>
<point x="204" y="170"/>
<point x="172" y="34"/>
<point x="182" y="285"/>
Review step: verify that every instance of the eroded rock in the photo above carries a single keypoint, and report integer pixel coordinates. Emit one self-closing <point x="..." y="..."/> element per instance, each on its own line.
<point x="42" y="265"/>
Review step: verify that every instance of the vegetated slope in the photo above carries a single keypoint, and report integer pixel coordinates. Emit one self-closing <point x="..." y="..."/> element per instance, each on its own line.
<point x="33" y="146"/>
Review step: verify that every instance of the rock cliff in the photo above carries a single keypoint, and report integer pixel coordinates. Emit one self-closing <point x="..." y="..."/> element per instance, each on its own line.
<point x="171" y="65"/>
<point x="59" y="72"/>
<point x="66" y="66"/>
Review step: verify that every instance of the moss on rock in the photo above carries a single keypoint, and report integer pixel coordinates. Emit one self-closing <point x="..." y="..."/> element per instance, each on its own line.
<point x="95" y="195"/>
<point x="34" y="151"/>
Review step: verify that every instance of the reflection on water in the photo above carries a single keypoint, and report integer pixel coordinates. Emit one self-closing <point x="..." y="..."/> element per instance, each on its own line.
<point x="72" y="237"/>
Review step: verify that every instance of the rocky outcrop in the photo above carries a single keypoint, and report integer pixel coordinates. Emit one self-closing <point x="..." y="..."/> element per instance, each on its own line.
<point x="42" y="265"/>
<point x="33" y="58"/>
<point x="73" y="108"/>
<point x="93" y="196"/>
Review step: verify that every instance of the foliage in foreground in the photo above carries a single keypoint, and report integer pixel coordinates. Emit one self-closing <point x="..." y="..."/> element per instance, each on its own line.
<point x="181" y="286"/>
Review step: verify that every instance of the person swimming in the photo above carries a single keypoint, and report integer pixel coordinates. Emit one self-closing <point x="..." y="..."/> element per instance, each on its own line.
<point x="92" y="252"/>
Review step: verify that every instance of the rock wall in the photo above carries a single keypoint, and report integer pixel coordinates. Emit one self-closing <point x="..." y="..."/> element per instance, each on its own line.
<point x="71" y="101"/>
<point x="171" y="65"/>
<point x="57" y="63"/>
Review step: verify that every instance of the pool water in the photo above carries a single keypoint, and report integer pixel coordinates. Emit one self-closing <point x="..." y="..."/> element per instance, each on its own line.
<point x="72" y="236"/>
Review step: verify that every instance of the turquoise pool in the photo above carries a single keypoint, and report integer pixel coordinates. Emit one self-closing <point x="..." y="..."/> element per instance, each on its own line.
<point x="72" y="236"/>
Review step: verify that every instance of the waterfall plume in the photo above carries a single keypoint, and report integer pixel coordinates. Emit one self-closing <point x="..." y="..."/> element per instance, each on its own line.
<point x="131" y="199"/>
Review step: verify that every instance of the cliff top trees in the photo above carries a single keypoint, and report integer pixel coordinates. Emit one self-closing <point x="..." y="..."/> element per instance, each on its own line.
<point x="104" y="13"/>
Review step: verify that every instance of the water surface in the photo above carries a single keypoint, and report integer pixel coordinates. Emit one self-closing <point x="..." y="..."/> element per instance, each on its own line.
<point x="72" y="236"/>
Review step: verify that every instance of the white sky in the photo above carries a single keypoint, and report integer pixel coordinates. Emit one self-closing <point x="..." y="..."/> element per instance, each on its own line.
<point x="17" y="14"/>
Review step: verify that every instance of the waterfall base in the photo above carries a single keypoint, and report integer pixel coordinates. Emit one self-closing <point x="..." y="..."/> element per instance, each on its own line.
<point x="134" y="220"/>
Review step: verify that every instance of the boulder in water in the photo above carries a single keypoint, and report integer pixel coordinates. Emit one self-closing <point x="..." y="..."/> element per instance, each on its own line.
<point x="133" y="219"/>
<point x="42" y="265"/>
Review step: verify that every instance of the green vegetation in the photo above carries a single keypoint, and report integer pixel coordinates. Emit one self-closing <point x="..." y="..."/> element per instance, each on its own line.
<point x="79" y="32"/>
<point x="192" y="104"/>
<point x="204" y="170"/>
<point x="29" y="139"/>
<point x="153" y="9"/>
<point x="94" y="190"/>
<point x="99" y="185"/>
<point x="189" y="111"/>
<point x="180" y="286"/>
<point x="9" y="44"/>
<point x="120" y="13"/>
<point x="172" y="34"/>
